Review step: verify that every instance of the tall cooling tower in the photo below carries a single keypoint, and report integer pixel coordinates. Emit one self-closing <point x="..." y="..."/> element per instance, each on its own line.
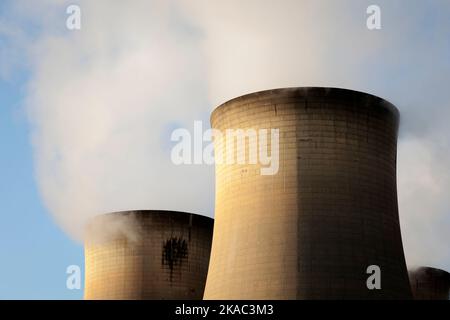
<point x="311" y="230"/>
<point x="147" y="255"/>
<point x="430" y="284"/>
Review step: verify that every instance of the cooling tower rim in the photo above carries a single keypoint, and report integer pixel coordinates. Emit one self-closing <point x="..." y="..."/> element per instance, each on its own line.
<point x="427" y="268"/>
<point x="305" y="92"/>
<point x="172" y="216"/>
<point x="149" y="211"/>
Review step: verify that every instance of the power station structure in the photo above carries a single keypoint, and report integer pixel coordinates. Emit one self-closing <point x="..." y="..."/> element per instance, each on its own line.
<point x="322" y="223"/>
<point x="147" y="255"/>
<point x="430" y="283"/>
<point x="311" y="230"/>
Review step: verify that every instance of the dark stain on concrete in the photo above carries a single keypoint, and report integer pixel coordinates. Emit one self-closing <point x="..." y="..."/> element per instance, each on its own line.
<point x="174" y="251"/>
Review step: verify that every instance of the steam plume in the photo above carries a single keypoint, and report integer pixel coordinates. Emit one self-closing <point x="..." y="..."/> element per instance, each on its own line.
<point x="103" y="100"/>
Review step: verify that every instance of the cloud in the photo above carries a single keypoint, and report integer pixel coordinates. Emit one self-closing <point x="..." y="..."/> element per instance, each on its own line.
<point x="423" y="184"/>
<point x="256" y="45"/>
<point x="102" y="100"/>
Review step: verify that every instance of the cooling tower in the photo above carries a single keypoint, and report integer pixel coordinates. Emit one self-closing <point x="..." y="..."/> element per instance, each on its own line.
<point x="147" y="255"/>
<point x="430" y="284"/>
<point x="311" y="230"/>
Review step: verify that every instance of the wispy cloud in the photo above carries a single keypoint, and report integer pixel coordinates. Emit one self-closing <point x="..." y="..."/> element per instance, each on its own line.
<point x="101" y="99"/>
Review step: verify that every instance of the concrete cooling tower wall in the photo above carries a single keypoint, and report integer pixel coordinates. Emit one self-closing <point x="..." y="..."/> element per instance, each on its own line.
<point x="147" y="255"/>
<point x="430" y="284"/>
<point x="311" y="230"/>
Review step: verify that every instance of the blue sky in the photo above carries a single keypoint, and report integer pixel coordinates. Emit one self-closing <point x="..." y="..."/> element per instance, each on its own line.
<point x="100" y="103"/>
<point x="34" y="251"/>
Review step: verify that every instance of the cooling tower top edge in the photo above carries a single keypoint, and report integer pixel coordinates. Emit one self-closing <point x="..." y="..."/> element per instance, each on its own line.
<point x="308" y="92"/>
<point x="149" y="211"/>
<point x="429" y="269"/>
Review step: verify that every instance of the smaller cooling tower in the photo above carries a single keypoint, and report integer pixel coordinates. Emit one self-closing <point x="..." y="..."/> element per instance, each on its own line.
<point x="429" y="283"/>
<point x="147" y="255"/>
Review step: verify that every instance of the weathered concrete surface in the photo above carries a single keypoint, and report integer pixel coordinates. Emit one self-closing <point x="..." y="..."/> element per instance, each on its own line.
<point x="147" y="255"/>
<point x="310" y="231"/>
<point x="429" y="283"/>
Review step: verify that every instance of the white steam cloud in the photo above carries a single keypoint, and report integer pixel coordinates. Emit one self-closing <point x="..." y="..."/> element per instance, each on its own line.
<point x="103" y="100"/>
